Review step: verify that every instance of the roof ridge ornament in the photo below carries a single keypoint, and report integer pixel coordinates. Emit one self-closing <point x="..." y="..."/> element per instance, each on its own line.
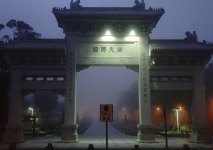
<point x="139" y="5"/>
<point x="191" y="37"/>
<point x="75" y="5"/>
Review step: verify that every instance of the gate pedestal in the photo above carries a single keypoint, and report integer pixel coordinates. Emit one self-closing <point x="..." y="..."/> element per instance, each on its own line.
<point x="13" y="134"/>
<point x="69" y="134"/>
<point x="200" y="135"/>
<point x="145" y="134"/>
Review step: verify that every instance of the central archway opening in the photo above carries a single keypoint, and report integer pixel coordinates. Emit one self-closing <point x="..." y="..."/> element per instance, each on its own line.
<point x="107" y="85"/>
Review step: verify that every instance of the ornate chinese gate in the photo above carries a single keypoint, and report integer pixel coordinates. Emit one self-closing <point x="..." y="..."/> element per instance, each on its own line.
<point x="108" y="36"/>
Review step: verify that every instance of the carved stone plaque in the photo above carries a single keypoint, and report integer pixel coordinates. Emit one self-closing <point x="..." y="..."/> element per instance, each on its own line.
<point x="108" y="50"/>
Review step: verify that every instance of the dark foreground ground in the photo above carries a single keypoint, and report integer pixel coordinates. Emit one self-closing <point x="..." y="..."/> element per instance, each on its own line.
<point x="122" y="143"/>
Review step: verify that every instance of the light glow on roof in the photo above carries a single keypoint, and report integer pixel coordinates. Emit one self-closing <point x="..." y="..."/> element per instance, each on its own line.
<point x="108" y="33"/>
<point x="132" y="33"/>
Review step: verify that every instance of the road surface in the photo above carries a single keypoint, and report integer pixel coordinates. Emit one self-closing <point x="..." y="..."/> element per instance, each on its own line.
<point x="98" y="130"/>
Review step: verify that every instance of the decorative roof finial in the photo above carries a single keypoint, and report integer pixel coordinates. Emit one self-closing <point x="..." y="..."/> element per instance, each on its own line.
<point x="139" y="5"/>
<point x="75" y="5"/>
<point x="191" y="36"/>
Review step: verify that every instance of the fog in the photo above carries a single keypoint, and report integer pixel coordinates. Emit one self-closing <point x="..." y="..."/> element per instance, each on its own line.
<point x="102" y="85"/>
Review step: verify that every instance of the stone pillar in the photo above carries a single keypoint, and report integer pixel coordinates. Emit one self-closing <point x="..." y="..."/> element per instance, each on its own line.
<point x="69" y="129"/>
<point x="145" y="130"/>
<point x="14" y="128"/>
<point x="200" y="132"/>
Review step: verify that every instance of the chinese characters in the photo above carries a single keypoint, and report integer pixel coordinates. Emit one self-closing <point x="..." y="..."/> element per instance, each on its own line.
<point x="145" y="76"/>
<point x="107" y="49"/>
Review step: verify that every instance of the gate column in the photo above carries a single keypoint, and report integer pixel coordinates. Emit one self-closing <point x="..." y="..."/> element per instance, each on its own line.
<point x="69" y="129"/>
<point x="14" y="128"/>
<point x="200" y="132"/>
<point x="145" y="130"/>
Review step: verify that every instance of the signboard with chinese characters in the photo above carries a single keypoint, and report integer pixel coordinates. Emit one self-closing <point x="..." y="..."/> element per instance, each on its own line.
<point x="106" y="112"/>
<point x="145" y="76"/>
<point x="113" y="49"/>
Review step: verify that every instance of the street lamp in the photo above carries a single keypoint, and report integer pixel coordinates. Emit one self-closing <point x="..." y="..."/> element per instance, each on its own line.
<point x="33" y="121"/>
<point x="31" y="110"/>
<point x="177" y="117"/>
<point x="163" y="110"/>
<point x="125" y="119"/>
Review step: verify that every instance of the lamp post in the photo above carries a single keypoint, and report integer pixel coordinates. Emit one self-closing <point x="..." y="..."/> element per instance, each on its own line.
<point x="177" y="118"/>
<point x="165" y="126"/>
<point x="31" y="110"/>
<point x="162" y="109"/>
<point x="125" y="118"/>
<point x="34" y="120"/>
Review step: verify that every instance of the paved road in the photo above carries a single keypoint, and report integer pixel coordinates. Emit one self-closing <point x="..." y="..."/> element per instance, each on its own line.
<point x="40" y="143"/>
<point x="96" y="135"/>
<point x="98" y="130"/>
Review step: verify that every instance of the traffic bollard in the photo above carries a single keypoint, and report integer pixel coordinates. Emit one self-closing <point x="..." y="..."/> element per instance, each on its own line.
<point x="136" y="147"/>
<point x="186" y="147"/>
<point x="90" y="147"/>
<point x="49" y="146"/>
<point x="12" y="146"/>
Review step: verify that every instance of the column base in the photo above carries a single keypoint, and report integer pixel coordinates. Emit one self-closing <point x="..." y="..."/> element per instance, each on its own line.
<point x="13" y="134"/>
<point x="145" y="134"/>
<point x="69" y="134"/>
<point x="200" y="135"/>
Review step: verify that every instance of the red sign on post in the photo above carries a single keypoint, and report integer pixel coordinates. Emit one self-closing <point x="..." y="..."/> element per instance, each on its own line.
<point x="106" y="112"/>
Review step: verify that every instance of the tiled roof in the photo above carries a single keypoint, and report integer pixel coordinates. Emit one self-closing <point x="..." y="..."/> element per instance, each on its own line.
<point x="156" y="45"/>
<point x="107" y="11"/>
<point x="169" y="45"/>
<point x="36" y="44"/>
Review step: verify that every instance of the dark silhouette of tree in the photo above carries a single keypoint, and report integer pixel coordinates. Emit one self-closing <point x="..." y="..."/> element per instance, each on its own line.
<point x="22" y="30"/>
<point x="5" y="38"/>
<point x="1" y="27"/>
<point x="129" y="98"/>
<point x="11" y="23"/>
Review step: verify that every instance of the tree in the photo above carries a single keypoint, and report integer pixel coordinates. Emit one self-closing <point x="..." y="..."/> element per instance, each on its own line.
<point x="21" y="31"/>
<point x="5" y="38"/>
<point x="1" y="27"/>
<point x="129" y="98"/>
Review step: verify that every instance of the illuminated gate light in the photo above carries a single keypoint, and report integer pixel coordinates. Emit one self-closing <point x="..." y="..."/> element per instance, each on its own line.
<point x="108" y="36"/>
<point x="132" y="33"/>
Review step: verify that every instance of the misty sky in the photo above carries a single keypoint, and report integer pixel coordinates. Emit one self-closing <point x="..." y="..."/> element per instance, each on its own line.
<point x="105" y="84"/>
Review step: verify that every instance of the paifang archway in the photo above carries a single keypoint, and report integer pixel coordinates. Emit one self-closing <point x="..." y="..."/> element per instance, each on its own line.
<point x="120" y="36"/>
<point x="107" y="36"/>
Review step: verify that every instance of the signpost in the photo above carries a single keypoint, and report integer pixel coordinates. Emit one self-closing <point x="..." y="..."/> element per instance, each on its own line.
<point x="106" y="115"/>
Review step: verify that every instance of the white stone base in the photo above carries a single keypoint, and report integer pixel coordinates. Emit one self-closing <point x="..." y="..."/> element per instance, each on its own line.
<point x="69" y="134"/>
<point x="145" y="134"/>
<point x="200" y="135"/>
<point x="13" y="134"/>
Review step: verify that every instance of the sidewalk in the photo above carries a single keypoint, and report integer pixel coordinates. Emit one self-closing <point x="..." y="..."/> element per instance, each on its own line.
<point x="114" y="143"/>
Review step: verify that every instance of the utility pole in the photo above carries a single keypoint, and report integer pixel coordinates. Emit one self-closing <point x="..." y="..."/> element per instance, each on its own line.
<point x="165" y="123"/>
